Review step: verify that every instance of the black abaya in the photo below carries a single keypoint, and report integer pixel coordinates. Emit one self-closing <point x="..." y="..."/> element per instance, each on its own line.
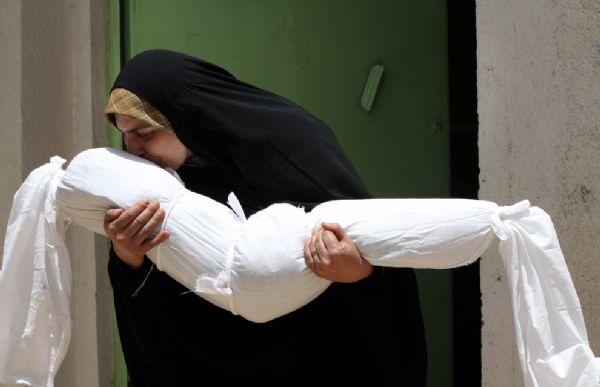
<point x="265" y="149"/>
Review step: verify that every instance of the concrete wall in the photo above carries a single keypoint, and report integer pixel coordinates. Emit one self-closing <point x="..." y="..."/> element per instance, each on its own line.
<point x="51" y="100"/>
<point x="539" y="139"/>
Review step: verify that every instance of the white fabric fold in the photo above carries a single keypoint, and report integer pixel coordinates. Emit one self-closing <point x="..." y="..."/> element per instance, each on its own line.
<point x="35" y="283"/>
<point x="550" y="331"/>
<point x="254" y="267"/>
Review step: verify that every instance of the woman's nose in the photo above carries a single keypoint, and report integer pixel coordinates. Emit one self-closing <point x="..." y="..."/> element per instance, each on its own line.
<point x="133" y="144"/>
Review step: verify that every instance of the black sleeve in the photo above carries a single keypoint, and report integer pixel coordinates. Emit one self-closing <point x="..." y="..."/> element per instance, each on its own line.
<point x="132" y="281"/>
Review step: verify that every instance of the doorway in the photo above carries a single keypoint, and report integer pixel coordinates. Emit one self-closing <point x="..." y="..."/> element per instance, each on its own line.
<point x="412" y="141"/>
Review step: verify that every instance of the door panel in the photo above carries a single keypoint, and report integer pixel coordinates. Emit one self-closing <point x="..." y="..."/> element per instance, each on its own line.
<point x="319" y="54"/>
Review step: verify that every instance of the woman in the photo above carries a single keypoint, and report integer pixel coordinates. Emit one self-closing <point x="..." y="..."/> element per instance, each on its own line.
<point x="222" y="135"/>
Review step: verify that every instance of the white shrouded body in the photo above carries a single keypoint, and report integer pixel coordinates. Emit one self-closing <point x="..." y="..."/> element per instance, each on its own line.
<point x="255" y="267"/>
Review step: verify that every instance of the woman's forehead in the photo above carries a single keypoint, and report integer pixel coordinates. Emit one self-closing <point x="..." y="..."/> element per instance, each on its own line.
<point x="126" y="123"/>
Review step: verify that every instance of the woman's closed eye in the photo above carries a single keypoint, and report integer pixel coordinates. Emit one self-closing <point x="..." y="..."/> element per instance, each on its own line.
<point x="145" y="132"/>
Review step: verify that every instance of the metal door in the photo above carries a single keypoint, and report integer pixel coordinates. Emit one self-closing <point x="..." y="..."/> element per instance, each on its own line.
<point x="375" y="71"/>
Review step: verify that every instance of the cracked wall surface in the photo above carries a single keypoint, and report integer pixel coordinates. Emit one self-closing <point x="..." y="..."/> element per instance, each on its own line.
<point x="539" y="139"/>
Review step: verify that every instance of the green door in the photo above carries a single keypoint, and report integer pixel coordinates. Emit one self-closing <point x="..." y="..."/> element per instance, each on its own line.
<point x="320" y="54"/>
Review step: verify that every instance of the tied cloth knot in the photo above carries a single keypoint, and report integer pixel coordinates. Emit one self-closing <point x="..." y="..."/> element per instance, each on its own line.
<point x="507" y="212"/>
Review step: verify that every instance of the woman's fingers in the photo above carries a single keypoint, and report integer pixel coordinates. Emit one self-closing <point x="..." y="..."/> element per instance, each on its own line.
<point x="138" y="221"/>
<point x="110" y="216"/>
<point x="157" y="240"/>
<point x="316" y="255"/>
<point x="130" y="230"/>
<point x="334" y="256"/>
<point x="308" y="256"/>
<point x="146" y="222"/>
<point x="320" y="252"/>
<point x="122" y="223"/>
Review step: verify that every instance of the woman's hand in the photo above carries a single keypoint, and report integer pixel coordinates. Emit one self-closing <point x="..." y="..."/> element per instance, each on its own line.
<point x="129" y="230"/>
<point x="331" y="254"/>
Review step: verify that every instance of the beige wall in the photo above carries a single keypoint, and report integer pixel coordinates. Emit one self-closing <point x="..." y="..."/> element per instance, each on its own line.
<point x="51" y="99"/>
<point x="539" y="139"/>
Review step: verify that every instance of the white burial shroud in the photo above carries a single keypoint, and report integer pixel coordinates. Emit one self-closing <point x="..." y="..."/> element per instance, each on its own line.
<point x="255" y="267"/>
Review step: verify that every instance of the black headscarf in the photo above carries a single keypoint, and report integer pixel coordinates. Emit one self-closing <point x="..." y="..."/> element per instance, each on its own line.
<point x="265" y="149"/>
<point x="280" y="150"/>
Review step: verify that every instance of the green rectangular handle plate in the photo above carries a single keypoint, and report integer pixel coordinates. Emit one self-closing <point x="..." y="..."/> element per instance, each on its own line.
<point x="368" y="96"/>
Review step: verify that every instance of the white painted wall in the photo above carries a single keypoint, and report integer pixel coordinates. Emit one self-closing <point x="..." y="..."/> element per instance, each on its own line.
<point x="539" y="139"/>
<point x="51" y="101"/>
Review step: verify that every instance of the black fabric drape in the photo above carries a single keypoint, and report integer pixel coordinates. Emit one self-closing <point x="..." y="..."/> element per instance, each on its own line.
<point x="265" y="149"/>
<point x="281" y="150"/>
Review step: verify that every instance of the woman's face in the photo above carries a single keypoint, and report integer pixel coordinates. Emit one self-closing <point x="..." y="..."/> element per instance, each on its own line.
<point x="158" y="145"/>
